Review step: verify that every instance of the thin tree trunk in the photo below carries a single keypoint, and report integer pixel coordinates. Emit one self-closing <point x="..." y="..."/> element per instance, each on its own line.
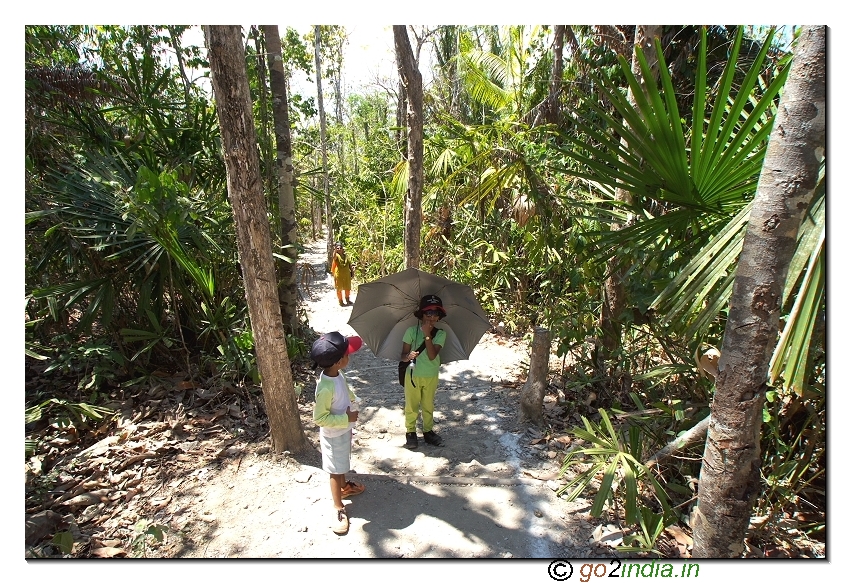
<point x="531" y="398"/>
<point x="456" y="81"/>
<point x="337" y="80"/>
<point x="729" y="479"/>
<point x="401" y="119"/>
<point x="262" y="92"/>
<point x="253" y="237"/>
<point x="570" y="37"/>
<point x="286" y="180"/>
<point x="354" y="155"/>
<point x="323" y="132"/>
<point x="178" y="52"/>
<point x="553" y="109"/>
<point x="315" y="212"/>
<point x="412" y="80"/>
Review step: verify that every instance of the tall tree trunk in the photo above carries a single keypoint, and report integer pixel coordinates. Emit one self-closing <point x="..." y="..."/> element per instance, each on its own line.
<point x="315" y="209"/>
<point x="286" y="180"/>
<point x="457" y="82"/>
<point x="262" y="93"/>
<point x="412" y="80"/>
<point x="354" y="155"/>
<point x="323" y="133"/>
<point x="729" y="478"/>
<point x="553" y="109"/>
<point x="401" y="118"/>
<point x="575" y="48"/>
<point x="614" y="296"/>
<point x="338" y="98"/>
<point x="253" y="237"/>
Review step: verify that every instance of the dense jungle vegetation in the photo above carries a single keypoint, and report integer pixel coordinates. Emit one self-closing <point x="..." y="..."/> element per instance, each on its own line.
<point x="531" y="136"/>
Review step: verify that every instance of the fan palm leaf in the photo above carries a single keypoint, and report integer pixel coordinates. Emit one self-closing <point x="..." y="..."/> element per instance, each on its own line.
<point x="96" y="225"/>
<point x="644" y="148"/>
<point x="702" y="191"/>
<point x="697" y="295"/>
<point x="789" y="365"/>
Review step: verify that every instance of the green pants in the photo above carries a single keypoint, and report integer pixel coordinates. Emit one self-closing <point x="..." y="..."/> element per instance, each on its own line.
<point x="422" y="395"/>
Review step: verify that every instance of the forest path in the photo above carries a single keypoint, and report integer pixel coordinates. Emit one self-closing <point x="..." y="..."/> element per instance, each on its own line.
<point x="477" y="496"/>
<point x="488" y="493"/>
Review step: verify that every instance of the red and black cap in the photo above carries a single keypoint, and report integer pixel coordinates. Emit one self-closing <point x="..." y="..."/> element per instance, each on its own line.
<point x="330" y="347"/>
<point x="430" y="302"/>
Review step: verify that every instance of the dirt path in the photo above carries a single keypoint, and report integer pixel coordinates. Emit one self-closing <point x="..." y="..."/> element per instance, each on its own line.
<point x="485" y="494"/>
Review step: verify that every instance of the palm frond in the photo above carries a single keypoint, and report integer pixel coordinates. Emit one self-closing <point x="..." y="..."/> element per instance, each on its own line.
<point x="789" y="365"/>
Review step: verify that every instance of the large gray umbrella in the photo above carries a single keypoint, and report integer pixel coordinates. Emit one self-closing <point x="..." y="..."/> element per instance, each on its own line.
<point x="384" y="309"/>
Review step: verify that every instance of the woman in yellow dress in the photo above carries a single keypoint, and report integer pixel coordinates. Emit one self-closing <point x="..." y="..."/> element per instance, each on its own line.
<point x="342" y="271"/>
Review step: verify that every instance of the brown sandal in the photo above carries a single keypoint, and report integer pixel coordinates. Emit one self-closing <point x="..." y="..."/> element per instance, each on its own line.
<point x="352" y="489"/>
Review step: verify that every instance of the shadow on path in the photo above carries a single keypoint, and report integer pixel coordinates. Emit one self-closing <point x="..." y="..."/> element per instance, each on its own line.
<point x="466" y="499"/>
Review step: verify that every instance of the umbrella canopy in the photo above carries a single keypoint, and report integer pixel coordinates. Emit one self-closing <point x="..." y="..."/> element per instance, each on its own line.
<point x="384" y="309"/>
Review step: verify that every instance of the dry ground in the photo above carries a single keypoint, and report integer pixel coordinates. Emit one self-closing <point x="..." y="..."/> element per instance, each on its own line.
<point x="193" y="467"/>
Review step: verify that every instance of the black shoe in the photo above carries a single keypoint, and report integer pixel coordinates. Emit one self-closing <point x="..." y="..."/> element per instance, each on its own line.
<point x="412" y="441"/>
<point x="432" y="438"/>
<point x="348" y="302"/>
<point x="341" y="304"/>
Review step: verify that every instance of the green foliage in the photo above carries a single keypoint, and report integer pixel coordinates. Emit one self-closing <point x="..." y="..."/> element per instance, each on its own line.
<point x="128" y="227"/>
<point x="150" y="338"/>
<point x="226" y="327"/>
<point x="686" y="185"/>
<point x="144" y="529"/>
<point x="511" y="76"/>
<point x="64" y="541"/>
<point x="793" y="451"/>
<point x="651" y="525"/>
<point x="617" y="457"/>
<point x="66" y="416"/>
<point x="296" y="347"/>
<point x="124" y="249"/>
<point x="94" y="362"/>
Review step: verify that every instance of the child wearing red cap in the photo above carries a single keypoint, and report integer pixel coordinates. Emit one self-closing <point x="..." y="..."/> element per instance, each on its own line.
<point x="332" y="413"/>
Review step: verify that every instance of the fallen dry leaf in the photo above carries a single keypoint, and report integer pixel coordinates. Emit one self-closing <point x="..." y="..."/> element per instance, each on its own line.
<point x="86" y="499"/>
<point x="108" y="552"/>
<point x="680" y="535"/>
<point x="111" y="542"/>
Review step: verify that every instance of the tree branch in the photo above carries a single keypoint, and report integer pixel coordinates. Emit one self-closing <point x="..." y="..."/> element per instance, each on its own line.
<point x="694" y="435"/>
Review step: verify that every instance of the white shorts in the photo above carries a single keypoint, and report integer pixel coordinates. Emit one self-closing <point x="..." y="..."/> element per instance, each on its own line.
<point x="336" y="453"/>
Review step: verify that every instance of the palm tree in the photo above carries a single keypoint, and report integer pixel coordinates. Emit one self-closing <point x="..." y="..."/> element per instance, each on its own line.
<point x="787" y="184"/>
<point x="692" y="190"/>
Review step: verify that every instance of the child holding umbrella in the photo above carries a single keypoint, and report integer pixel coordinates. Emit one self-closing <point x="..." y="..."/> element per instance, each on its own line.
<point x="420" y="382"/>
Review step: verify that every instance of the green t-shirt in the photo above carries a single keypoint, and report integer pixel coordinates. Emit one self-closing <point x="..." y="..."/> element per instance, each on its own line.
<point x="424" y="366"/>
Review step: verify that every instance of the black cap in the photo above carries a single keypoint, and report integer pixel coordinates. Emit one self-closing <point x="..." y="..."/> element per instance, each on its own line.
<point x="430" y="302"/>
<point x="330" y="347"/>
